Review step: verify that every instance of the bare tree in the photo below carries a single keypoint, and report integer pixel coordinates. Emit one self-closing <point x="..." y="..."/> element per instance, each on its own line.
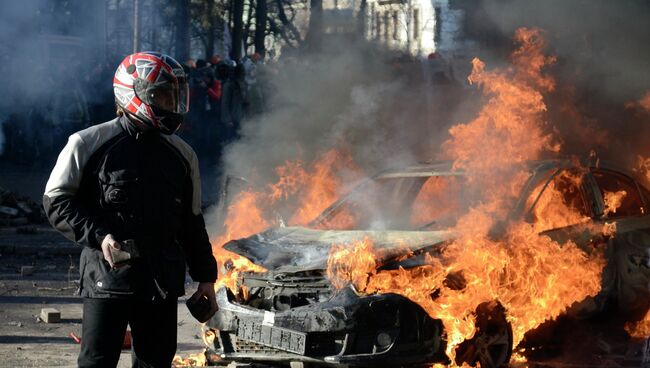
<point x="182" y="39"/>
<point x="260" y="26"/>
<point x="237" y="29"/>
<point x="314" y="36"/>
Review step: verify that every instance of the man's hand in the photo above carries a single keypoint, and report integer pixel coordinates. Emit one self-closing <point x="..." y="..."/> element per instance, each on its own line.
<point x="108" y="242"/>
<point x="206" y="289"/>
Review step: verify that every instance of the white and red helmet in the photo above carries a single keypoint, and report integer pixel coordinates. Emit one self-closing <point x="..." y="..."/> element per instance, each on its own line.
<point x="152" y="88"/>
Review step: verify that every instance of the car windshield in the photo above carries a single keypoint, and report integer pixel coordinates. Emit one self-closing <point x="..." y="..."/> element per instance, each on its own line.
<point x="397" y="203"/>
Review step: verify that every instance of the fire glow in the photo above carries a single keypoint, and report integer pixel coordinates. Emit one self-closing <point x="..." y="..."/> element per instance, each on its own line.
<point x="315" y="188"/>
<point x="533" y="277"/>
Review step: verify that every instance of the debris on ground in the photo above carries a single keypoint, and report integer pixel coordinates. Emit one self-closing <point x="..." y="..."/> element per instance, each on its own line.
<point x="50" y="315"/>
<point x="17" y="210"/>
<point x="26" y="271"/>
<point x="74" y="337"/>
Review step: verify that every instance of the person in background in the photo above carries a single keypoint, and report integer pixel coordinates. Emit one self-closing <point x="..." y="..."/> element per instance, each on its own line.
<point x="254" y="97"/>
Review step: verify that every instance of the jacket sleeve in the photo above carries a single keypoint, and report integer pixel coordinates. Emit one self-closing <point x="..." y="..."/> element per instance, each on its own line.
<point x="193" y="236"/>
<point x="64" y="209"/>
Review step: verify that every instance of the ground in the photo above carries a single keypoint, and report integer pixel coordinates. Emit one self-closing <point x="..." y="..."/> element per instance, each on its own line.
<point x="25" y="341"/>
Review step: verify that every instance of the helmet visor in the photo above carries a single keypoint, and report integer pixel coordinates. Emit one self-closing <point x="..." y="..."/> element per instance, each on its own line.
<point x="167" y="94"/>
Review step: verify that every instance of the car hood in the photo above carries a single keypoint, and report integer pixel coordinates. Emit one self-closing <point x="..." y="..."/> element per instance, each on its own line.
<point x="294" y="249"/>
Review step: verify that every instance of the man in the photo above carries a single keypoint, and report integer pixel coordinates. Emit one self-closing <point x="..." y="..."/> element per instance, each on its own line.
<point x="128" y="191"/>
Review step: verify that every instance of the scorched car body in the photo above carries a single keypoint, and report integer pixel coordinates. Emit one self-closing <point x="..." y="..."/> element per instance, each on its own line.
<point x="292" y="314"/>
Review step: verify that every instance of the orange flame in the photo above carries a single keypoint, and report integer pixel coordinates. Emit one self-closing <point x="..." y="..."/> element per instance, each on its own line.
<point x="551" y="210"/>
<point x="639" y="329"/>
<point x="193" y="360"/>
<point x="310" y="189"/>
<point x="643" y="168"/>
<point x="532" y="276"/>
<point x="436" y="200"/>
<point x="613" y="201"/>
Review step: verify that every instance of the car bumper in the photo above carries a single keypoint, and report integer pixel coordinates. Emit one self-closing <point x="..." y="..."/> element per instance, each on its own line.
<point x="375" y="330"/>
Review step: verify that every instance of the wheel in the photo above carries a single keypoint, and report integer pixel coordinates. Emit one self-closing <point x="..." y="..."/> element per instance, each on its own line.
<point x="491" y="345"/>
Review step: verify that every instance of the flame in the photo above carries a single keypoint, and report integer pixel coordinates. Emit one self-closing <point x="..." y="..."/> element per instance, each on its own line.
<point x="244" y="218"/>
<point x="436" y="200"/>
<point x="306" y="190"/>
<point x="193" y="360"/>
<point x="532" y="276"/>
<point x="551" y="210"/>
<point x="613" y="201"/>
<point x="323" y="185"/>
<point x="197" y="359"/>
<point x="355" y="264"/>
<point x="643" y="168"/>
<point x="639" y="329"/>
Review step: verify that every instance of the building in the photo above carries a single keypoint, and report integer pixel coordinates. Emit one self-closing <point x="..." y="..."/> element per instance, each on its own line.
<point x="415" y="27"/>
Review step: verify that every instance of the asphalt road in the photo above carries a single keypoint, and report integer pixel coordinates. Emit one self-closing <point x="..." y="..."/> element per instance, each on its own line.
<point x="25" y="341"/>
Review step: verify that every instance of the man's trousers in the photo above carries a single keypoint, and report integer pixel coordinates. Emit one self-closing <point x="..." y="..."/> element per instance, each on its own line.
<point x="153" y="331"/>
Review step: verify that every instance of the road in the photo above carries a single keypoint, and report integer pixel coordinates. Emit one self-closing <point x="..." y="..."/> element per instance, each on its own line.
<point x="25" y="341"/>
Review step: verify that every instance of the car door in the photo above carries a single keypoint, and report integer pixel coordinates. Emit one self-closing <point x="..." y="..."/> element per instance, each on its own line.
<point x="561" y="205"/>
<point x="623" y="204"/>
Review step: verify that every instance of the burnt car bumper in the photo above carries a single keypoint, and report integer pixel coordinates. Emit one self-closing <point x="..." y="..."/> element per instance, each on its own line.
<point x="375" y="330"/>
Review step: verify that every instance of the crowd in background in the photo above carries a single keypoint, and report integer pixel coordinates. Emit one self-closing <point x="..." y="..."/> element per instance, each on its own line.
<point x="35" y="126"/>
<point x="222" y="93"/>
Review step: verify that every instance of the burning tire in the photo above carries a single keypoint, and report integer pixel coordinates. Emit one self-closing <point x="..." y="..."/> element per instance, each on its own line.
<point x="491" y="345"/>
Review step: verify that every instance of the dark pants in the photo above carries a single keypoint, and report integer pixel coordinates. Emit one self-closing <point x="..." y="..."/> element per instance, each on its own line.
<point x="153" y="331"/>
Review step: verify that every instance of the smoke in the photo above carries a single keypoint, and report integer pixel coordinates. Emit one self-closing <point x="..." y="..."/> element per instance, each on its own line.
<point x="602" y="53"/>
<point x="49" y="55"/>
<point x="351" y="98"/>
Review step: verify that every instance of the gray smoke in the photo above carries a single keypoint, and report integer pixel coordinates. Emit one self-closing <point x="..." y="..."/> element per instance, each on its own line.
<point x="352" y="97"/>
<point x="603" y="58"/>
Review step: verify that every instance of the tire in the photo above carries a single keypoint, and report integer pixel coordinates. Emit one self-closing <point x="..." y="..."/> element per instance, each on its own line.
<point x="491" y="345"/>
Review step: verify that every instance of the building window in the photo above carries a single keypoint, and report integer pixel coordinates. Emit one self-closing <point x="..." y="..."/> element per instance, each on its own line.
<point x="395" y="25"/>
<point x="416" y="24"/>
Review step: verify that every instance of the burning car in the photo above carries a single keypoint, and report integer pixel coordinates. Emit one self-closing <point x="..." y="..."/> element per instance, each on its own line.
<point x="295" y="313"/>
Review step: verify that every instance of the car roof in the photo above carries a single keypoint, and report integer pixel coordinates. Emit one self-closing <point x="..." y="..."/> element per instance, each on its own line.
<point x="445" y="168"/>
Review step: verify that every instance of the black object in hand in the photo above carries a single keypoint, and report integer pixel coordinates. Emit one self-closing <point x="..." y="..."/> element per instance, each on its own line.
<point x="127" y="252"/>
<point x="199" y="307"/>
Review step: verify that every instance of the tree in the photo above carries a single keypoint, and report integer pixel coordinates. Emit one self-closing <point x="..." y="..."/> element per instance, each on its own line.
<point x="182" y="42"/>
<point x="260" y="26"/>
<point x="315" y="29"/>
<point x="237" y="29"/>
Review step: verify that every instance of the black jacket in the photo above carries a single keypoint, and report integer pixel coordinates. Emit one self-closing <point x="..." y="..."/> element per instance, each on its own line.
<point x="111" y="180"/>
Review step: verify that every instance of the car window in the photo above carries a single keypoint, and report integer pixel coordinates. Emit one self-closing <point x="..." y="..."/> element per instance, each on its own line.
<point x="410" y="203"/>
<point x="378" y="204"/>
<point x="438" y="203"/>
<point x="557" y="202"/>
<point x="621" y="197"/>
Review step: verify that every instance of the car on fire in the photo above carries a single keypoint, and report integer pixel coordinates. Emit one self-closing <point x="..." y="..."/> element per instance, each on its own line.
<point x="292" y="315"/>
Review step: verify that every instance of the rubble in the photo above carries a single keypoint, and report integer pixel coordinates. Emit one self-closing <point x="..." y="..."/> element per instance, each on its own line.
<point x="26" y="271"/>
<point x="50" y="315"/>
<point x="17" y="210"/>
